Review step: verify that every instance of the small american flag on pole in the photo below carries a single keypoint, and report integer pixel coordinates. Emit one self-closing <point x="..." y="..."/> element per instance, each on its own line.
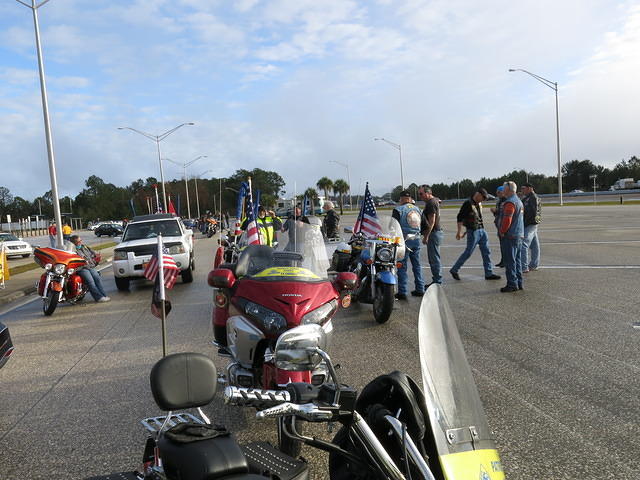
<point x="169" y="267"/>
<point x="253" y="232"/>
<point x="367" y="221"/>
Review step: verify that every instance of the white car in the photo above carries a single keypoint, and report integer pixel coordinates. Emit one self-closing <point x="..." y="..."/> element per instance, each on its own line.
<point x="140" y="242"/>
<point x="14" y="246"/>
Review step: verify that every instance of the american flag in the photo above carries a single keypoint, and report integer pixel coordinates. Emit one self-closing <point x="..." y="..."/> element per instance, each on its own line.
<point x="253" y="232"/>
<point x="171" y="270"/>
<point x="367" y="221"/>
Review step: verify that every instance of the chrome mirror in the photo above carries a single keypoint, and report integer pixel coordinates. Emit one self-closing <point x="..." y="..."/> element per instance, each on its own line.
<point x="297" y="349"/>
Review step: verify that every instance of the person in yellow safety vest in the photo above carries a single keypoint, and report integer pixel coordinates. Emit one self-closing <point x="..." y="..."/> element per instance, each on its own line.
<point x="268" y="223"/>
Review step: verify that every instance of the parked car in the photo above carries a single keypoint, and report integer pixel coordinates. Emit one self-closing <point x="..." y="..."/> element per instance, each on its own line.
<point x="110" y="229"/>
<point x="577" y="191"/>
<point x="6" y="346"/>
<point x="14" y="246"/>
<point x="140" y="242"/>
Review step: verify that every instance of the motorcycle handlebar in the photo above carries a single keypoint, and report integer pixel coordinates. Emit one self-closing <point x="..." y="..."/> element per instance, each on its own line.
<point x="307" y="411"/>
<point x="251" y="397"/>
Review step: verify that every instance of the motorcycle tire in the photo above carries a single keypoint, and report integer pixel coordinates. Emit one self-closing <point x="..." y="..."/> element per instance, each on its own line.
<point x="187" y="275"/>
<point x="288" y="445"/>
<point x="383" y="302"/>
<point x="50" y="302"/>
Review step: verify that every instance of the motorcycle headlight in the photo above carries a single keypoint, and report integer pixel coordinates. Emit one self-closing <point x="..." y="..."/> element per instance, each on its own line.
<point x="71" y="270"/>
<point x="59" y="268"/>
<point x="384" y="254"/>
<point x="271" y="321"/>
<point x="176" y="249"/>
<point x="119" y="255"/>
<point x="48" y="266"/>
<point x="321" y="314"/>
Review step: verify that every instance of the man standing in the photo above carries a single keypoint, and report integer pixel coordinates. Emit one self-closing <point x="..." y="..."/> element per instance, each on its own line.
<point x="409" y="217"/>
<point x="89" y="274"/>
<point x="331" y="222"/>
<point x="496" y="214"/>
<point x="268" y="223"/>
<point x="431" y="231"/>
<point x="470" y="216"/>
<point x="66" y="232"/>
<point x="532" y="217"/>
<point x="52" y="234"/>
<point x="511" y="229"/>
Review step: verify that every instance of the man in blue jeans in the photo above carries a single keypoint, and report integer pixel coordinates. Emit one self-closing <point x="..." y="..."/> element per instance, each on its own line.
<point x="470" y="216"/>
<point x="431" y="231"/>
<point x="511" y="230"/>
<point x="409" y="217"/>
<point x="532" y="217"/>
<point x="89" y="274"/>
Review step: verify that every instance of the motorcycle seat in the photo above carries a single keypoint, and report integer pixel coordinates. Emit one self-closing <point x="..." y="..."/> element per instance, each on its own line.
<point x="254" y="259"/>
<point x="216" y="458"/>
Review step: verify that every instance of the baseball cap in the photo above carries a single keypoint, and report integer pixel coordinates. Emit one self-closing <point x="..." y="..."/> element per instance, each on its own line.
<point x="405" y="193"/>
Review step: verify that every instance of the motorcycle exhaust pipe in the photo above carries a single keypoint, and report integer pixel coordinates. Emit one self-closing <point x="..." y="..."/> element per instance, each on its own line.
<point x="253" y="397"/>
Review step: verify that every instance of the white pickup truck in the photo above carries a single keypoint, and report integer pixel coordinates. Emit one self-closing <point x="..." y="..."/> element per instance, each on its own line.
<point x="140" y="242"/>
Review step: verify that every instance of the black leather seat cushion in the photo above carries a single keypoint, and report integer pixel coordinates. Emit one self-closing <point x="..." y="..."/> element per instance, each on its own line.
<point x="183" y="380"/>
<point x="254" y="259"/>
<point x="217" y="458"/>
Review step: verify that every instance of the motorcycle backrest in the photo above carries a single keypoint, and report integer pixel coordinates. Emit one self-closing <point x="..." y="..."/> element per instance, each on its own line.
<point x="346" y="281"/>
<point x="254" y="259"/>
<point x="183" y="380"/>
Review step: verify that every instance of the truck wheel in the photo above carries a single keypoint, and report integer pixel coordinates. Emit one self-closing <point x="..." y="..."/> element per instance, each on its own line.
<point x="187" y="275"/>
<point x="122" y="283"/>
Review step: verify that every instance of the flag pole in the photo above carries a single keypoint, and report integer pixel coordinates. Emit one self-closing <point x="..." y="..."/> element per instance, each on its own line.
<point x="162" y="296"/>
<point x="253" y="211"/>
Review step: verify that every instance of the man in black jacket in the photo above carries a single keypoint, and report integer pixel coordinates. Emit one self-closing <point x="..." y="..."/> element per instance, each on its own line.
<point x="470" y="216"/>
<point x="532" y="217"/>
<point x="331" y="222"/>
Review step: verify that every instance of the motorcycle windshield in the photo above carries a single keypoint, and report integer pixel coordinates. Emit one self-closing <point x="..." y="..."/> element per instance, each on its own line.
<point x="390" y="231"/>
<point x="299" y="254"/>
<point x="456" y="414"/>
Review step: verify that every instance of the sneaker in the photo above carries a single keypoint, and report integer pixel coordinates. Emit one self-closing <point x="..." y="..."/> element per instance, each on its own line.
<point x="533" y="269"/>
<point x="500" y="264"/>
<point x="401" y="296"/>
<point x="104" y="299"/>
<point x="454" y="275"/>
<point x="525" y="271"/>
<point x="520" y="287"/>
<point x="509" y="288"/>
<point x="493" y="276"/>
<point x="416" y="293"/>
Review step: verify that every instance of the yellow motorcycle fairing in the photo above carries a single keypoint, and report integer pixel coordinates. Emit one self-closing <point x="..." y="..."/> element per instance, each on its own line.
<point x="482" y="464"/>
<point x="286" y="272"/>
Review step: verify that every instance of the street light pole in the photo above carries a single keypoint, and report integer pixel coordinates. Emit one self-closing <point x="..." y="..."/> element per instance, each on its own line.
<point x="47" y="124"/>
<point x="553" y="86"/>
<point x="184" y="170"/>
<point x="398" y="147"/>
<point x="195" y="180"/>
<point x="346" y="165"/>
<point x="158" y="139"/>
<point x="593" y="177"/>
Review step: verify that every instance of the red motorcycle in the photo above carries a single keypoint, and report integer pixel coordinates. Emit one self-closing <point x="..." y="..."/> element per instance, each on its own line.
<point x="60" y="282"/>
<point x="267" y="292"/>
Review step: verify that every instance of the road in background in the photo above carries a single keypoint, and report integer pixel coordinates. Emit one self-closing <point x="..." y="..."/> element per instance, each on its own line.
<point x="557" y="365"/>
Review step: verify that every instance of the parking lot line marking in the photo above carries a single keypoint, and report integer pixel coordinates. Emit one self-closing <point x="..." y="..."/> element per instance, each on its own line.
<point x="556" y="267"/>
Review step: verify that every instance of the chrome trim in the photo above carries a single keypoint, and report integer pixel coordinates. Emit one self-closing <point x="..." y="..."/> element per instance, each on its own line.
<point x="375" y="448"/>
<point x="401" y="433"/>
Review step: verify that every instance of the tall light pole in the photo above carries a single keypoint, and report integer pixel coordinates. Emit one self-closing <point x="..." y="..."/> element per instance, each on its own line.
<point x="158" y="139"/>
<point x="184" y="171"/>
<point x="398" y="147"/>
<point x="593" y="177"/>
<point x="553" y="86"/>
<point x="195" y="180"/>
<point x="47" y="124"/>
<point x="346" y="165"/>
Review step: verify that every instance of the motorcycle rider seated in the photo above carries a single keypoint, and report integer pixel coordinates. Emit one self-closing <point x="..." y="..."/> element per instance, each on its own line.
<point x="268" y="223"/>
<point x="88" y="273"/>
<point x="331" y="222"/>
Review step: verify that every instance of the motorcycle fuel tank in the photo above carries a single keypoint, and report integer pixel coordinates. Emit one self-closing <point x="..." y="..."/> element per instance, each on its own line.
<point x="242" y="339"/>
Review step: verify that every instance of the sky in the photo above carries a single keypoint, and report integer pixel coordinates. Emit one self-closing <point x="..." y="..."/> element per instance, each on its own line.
<point x="303" y="86"/>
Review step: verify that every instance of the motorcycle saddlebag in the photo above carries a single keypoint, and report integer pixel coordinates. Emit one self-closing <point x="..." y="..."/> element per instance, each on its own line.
<point x="340" y="261"/>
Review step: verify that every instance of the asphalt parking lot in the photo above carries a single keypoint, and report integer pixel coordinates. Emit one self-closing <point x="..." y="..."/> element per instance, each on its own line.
<point x="557" y="365"/>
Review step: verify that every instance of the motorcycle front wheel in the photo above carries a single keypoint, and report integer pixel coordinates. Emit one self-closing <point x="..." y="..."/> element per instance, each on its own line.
<point x="287" y="445"/>
<point x="50" y="302"/>
<point x="383" y="302"/>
